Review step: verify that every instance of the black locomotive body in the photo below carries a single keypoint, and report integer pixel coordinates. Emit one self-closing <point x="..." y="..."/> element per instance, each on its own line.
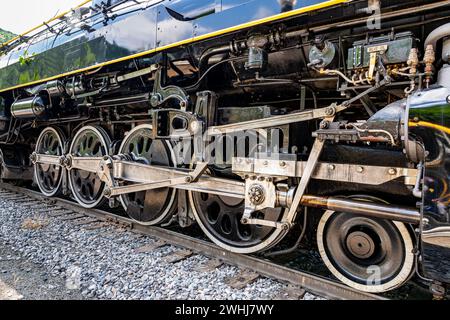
<point x="249" y="118"/>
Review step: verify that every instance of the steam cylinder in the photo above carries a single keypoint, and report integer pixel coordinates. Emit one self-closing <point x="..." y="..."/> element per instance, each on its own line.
<point x="33" y="107"/>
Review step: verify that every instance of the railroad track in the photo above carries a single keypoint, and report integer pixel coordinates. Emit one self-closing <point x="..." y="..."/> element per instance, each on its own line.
<point x="297" y="280"/>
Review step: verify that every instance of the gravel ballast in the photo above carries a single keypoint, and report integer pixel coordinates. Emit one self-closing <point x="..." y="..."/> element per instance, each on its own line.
<point x="104" y="263"/>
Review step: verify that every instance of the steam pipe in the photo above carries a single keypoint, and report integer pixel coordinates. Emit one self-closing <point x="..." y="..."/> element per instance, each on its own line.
<point x="437" y="34"/>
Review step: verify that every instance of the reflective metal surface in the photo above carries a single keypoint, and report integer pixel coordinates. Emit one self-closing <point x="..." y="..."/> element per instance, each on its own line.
<point x="136" y="30"/>
<point x="429" y="119"/>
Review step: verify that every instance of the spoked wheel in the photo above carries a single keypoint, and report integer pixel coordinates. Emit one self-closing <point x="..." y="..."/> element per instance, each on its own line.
<point x="220" y="219"/>
<point x="86" y="187"/>
<point x="220" y="216"/>
<point x="368" y="254"/>
<point x="153" y="206"/>
<point x="49" y="177"/>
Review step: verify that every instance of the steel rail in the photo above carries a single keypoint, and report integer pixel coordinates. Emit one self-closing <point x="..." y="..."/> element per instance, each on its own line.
<point x="315" y="284"/>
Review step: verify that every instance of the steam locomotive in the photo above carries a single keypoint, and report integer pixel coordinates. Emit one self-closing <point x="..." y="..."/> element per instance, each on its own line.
<point x="254" y="119"/>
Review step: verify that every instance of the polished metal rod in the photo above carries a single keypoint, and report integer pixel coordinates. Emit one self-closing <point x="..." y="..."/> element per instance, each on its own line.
<point x="371" y="209"/>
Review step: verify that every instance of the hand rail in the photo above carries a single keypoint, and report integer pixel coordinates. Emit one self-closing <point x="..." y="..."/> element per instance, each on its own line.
<point x="2" y="45"/>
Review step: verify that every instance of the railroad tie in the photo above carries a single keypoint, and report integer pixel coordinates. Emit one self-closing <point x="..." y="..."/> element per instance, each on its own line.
<point x="291" y="293"/>
<point x="83" y="222"/>
<point x="13" y="198"/>
<point x="150" y="247"/>
<point x="177" y="256"/>
<point x="32" y="204"/>
<point x="96" y="226"/>
<point x="72" y="217"/>
<point x="58" y="213"/>
<point x="25" y="200"/>
<point x="208" y="266"/>
<point x="242" y="279"/>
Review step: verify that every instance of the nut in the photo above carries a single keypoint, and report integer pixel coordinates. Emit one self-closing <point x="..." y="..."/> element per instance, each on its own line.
<point x="392" y="171"/>
<point x="330" y="111"/>
<point x="324" y="125"/>
<point x="107" y="192"/>
<point x="33" y="157"/>
<point x="256" y="194"/>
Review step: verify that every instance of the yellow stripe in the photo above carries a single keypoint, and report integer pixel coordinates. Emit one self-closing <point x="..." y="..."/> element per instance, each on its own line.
<point x="430" y="125"/>
<point x="280" y="16"/>
<point x="43" y="24"/>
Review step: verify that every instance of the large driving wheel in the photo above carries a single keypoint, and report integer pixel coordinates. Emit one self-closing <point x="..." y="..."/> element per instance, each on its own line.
<point x="220" y="219"/>
<point x="86" y="187"/>
<point x="153" y="206"/>
<point x="49" y="177"/>
<point x="220" y="216"/>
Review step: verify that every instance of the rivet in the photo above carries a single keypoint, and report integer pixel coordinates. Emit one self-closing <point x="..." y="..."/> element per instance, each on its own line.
<point x="360" y="169"/>
<point x="282" y="164"/>
<point x="331" y="167"/>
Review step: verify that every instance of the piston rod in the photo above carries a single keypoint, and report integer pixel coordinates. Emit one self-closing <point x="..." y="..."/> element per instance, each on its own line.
<point x="376" y="210"/>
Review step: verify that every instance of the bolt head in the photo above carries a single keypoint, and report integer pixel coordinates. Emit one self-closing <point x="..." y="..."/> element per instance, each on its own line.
<point x="329" y="111"/>
<point x="324" y="124"/>
<point x="331" y="167"/>
<point x="360" y="169"/>
<point x="282" y="164"/>
<point x="392" y="171"/>
<point x="256" y="195"/>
